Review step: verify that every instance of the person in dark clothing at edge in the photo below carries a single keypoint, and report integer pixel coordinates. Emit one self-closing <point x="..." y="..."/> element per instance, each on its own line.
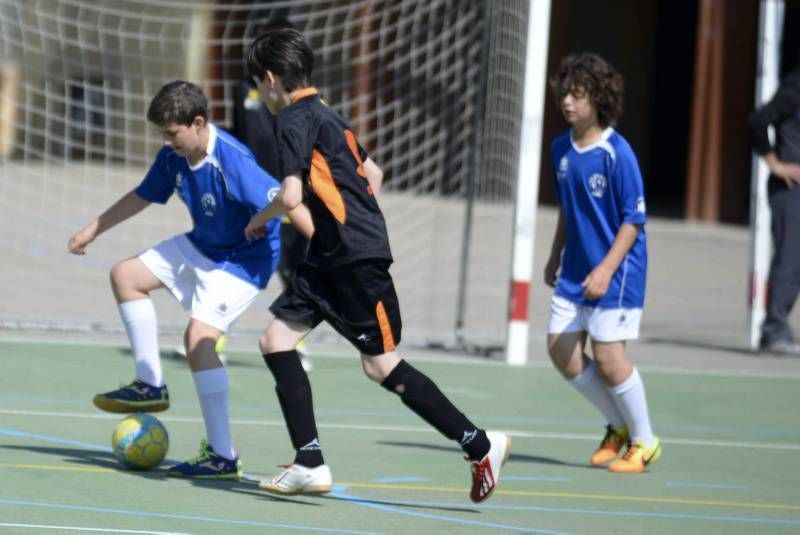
<point x="783" y="159"/>
<point x="254" y="125"/>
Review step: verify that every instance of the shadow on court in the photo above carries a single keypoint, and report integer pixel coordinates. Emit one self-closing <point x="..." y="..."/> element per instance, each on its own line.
<point x="342" y="498"/>
<point x="515" y="457"/>
<point x="87" y="457"/>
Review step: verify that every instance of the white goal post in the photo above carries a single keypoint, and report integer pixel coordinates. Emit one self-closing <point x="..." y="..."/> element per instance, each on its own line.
<point x="770" y="30"/>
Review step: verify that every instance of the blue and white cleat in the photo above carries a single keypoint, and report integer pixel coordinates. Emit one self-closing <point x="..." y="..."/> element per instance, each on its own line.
<point x="208" y="465"/>
<point x="135" y="397"/>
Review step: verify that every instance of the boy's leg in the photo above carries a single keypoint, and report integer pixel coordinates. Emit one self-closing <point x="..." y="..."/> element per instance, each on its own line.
<point x="292" y="388"/>
<point x="420" y="394"/>
<point x="567" y="353"/>
<point x="132" y="281"/>
<point x="626" y="387"/>
<point x="294" y="247"/>
<point x="218" y="299"/>
<point x="566" y="343"/>
<point x="212" y="385"/>
<point x="487" y="452"/>
<point x="307" y="474"/>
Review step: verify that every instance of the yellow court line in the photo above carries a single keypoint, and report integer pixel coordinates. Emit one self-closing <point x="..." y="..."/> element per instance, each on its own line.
<point x="457" y="490"/>
<point x="530" y="493"/>
<point x="57" y="467"/>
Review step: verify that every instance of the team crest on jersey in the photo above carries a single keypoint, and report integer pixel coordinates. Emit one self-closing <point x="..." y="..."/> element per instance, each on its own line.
<point x="209" y="204"/>
<point x="640" y="205"/>
<point x="562" y="169"/>
<point x="272" y="193"/>
<point x="598" y="184"/>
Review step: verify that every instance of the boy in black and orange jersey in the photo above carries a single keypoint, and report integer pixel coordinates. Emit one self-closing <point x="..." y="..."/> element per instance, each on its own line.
<point x="345" y="280"/>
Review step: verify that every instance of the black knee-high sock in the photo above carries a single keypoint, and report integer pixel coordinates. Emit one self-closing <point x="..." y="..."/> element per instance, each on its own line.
<point x="422" y="396"/>
<point x="294" y="396"/>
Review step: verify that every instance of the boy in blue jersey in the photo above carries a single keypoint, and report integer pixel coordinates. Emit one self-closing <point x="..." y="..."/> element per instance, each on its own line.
<point x="211" y="270"/>
<point x="599" y="288"/>
<point x="345" y="279"/>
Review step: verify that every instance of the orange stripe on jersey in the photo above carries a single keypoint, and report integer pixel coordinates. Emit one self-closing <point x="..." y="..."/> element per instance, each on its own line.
<point x="324" y="187"/>
<point x="386" y="328"/>
<point x="303" y="93"/>
<point x="353" y="144"/>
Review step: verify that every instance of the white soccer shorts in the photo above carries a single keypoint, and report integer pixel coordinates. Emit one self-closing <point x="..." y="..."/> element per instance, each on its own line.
<point x="214" y="296"/>
<point x="602" y="324"/>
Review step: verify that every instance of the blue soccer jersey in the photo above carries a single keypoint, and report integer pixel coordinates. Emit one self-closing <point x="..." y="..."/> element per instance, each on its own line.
<point x="222" y="193"/>
<point x="599" y="188"/>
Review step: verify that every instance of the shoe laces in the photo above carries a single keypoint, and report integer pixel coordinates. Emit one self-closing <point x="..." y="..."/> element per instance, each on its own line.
<point x="478" y="468"/>
<point x="204" y="454"/>
<point x="633" y="448"/>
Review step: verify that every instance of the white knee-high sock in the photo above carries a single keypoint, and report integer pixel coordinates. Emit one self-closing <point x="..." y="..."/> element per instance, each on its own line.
<point x="139" y="319"/>
<point x="213" y="389"/>
<point x="591" y="386"/>
<point x="632" y="403"/>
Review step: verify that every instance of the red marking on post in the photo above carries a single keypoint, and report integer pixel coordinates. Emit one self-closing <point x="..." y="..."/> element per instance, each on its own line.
<point x="519" y="300"/>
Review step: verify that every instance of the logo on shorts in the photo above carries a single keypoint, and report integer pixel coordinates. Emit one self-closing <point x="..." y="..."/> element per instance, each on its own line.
<point x="598" y="184"/>
<point x="363" y="338"/>
<point x="623" y="319"/>
<point x="178" y="181"/>
<point x="272" y="193"/>
<point x="209" y="204"/>
<point x="222" y="308"/>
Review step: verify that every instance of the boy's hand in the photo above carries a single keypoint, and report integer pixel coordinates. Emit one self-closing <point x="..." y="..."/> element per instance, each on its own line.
<point x="595" y="285"/>
<point x="255" y="229"/>
<point x="77" y="243"/>
<point x="551" y="271"/>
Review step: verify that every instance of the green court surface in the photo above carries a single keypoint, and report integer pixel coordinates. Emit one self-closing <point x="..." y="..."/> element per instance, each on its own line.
<point x="731" y="460"/>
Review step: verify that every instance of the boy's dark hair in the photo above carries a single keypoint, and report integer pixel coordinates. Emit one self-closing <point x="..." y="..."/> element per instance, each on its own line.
<point x="177" y="102"/>
<point x="591" y="73"/>
<point x="285" y="53"/>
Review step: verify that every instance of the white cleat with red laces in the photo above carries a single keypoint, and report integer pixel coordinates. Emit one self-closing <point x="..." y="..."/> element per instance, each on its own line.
<point x="486" y="472"/>
<point x="298" y="479"/>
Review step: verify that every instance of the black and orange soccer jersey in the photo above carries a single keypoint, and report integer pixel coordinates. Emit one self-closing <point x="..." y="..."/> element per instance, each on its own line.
<point x="318" y="144"/>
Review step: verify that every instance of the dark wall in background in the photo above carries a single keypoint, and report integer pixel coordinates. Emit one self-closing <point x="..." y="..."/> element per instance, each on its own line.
<point x="653" y="45"/>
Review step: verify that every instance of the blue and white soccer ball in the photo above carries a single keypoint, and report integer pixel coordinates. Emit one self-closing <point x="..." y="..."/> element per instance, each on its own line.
<point x="140" y="441"/>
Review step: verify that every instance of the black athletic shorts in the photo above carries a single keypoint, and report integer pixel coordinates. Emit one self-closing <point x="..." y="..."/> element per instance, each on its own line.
<point x="294" y="247"/>
<point x="357" y="299"/>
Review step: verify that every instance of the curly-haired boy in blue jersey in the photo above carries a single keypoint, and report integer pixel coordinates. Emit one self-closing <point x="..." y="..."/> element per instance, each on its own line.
<point x="598" y="260"/>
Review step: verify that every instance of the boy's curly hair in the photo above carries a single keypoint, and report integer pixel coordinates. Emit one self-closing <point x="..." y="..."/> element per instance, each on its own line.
<point x="594" y="75"/>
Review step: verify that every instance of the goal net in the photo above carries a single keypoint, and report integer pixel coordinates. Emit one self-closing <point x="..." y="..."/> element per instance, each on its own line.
<point x="432" y="87"/>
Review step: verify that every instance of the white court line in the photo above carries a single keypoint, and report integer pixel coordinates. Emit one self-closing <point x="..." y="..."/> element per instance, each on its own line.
<point x="419" y="429"/>
<point x="460" y="359"/>
<point x="77" y="528"/>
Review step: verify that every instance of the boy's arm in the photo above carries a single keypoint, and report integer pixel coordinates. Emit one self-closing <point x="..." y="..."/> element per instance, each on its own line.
<point x="288" y="198"/>
<point x="301" y="219"/>
<point x="374" y="175"/>
<point x="595" y="285"/>
<point x="559" y="240"/>
<point x="127" y="206"/>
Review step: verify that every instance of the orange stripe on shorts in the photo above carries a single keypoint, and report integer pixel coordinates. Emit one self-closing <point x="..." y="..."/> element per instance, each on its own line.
<point x="386" y="328"/>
